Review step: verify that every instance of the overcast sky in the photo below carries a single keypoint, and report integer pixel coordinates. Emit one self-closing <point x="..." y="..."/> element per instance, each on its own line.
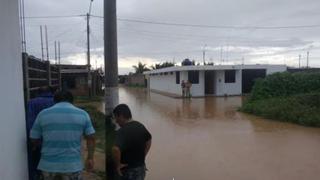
<point x="152" y="43"/>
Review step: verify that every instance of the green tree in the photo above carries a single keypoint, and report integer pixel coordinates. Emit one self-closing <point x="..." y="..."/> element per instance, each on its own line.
<point x="140" y="68"/>
<point x="162" y="65"/>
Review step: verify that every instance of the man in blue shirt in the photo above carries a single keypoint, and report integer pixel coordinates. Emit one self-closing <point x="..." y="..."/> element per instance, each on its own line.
<point x="43" y="100"/>
<point x="61" y="128"/>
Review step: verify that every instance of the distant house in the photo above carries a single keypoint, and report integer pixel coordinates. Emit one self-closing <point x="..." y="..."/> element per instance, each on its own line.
<point x="75" y="79"/>
<point x="135" y="80"/>
<point x="219" y="80"/>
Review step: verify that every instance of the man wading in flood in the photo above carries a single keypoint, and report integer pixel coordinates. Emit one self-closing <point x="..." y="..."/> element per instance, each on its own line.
<point x="132" y="144"/>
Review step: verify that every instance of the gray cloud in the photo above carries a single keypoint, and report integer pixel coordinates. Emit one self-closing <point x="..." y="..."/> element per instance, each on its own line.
<point x="156" y="43"/>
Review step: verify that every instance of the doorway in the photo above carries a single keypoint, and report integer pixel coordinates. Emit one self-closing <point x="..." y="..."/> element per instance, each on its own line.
<point x="209" y="83"/>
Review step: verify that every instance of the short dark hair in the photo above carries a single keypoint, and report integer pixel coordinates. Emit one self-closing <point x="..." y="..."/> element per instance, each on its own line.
<point x="45" y="89"/>
<point x="124" y="110"/>
<point x="63" y="96"/>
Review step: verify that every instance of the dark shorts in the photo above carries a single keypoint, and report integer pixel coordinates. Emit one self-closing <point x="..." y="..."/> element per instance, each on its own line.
<point x="62" y="176"/>
<point x="138" y="173"/>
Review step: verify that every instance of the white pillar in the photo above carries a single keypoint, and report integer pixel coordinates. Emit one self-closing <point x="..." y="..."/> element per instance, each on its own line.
<point x="13" y="152"/>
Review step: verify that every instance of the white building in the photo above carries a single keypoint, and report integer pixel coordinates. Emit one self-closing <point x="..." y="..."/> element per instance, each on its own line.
<point x="13" y="149"/>
<point x="219" y="80"/>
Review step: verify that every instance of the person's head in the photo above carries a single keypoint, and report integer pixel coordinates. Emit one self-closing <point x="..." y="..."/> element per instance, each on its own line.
<point x="182" y="81"/>
<point x="44" y="90"/>
<point x="122" y="114"/>
<point x="63" y="96"/>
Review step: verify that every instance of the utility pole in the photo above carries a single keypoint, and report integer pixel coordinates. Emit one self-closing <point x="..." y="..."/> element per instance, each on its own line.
<point x="111" y="73"/>
<point x="299" y="61"/>
<point x="23" y="25"/>
<point x="59" y="53"/>
<point x="55" y="52"/>
<point x="204" y="54"/>
<point x="42" y="53"/>
<point x="88" y="55"/>
<point x="88" y="50"/>
<point x="308" y="59"/>
<point x="227" y="55"/>
<point x="47" y="45"/>
<point x="221" y="51"/>
<point x="59" y="63"/>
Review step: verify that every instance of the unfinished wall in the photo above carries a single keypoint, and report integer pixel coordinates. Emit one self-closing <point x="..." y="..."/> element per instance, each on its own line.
<point x="13" y="152"/>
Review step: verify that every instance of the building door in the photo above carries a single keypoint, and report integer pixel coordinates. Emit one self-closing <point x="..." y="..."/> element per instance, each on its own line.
<point x="209" y="82"/>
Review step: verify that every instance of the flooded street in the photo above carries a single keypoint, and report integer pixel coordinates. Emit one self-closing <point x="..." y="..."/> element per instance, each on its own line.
<point x="206" y="139"/>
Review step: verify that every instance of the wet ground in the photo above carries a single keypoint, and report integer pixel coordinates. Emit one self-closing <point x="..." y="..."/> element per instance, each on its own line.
<point x="207" y="139"/>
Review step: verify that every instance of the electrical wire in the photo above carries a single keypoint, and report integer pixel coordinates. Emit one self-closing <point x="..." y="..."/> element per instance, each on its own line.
<point x="214" y="26"/>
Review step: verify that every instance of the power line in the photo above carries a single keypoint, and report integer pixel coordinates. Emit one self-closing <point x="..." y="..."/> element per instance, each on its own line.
<point x="184" y="25"/>
<point x="55" y="17"/>
<point x="221" y="27"/>
<point x="215" y="26"/>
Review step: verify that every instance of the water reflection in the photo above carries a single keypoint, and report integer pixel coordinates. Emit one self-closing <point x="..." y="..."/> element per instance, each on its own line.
<point x="206" y="138"/>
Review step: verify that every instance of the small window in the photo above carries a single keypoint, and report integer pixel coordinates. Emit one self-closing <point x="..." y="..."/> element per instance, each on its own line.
<point x="193" y="77"/>
<point x="230" y="76"/>
<point x="166" y="73"/>
<point x="171" y="73"/>
<point x="177" y="77"/>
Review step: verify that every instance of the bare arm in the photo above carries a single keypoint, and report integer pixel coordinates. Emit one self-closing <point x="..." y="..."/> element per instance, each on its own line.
<point x="116" y="153"/>
<point x="148" y="146"/>
<point x="91" y="145"/>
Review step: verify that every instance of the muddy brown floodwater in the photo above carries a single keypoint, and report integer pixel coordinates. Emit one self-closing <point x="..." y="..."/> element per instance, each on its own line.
<point x="207" y="139"/>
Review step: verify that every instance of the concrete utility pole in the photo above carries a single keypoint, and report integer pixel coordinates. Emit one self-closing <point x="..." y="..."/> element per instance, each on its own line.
<point x="42" y="53"/>
<point x="308" y="59"/>
<point x="55" y="52"/>
<point x="59" y="55"/>
<point x="88" y="50"/>
<point x="59" y="62"/>
<point x="111" y="74"/>
<point x="111" y="55"/>
<point x="47" y="45"/>
<point x="299" y="61"/>
<point x="204" y="54"/>
<point x="221" y="51"/>
<point x="88" y="55"/>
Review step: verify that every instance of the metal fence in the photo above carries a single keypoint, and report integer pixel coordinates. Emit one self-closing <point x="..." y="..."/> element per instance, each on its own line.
<point x="37" y="73"/>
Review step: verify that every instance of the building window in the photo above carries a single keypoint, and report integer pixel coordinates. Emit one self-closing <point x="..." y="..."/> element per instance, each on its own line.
<point x="177" y="77"/>
<point x="171" y="73"/>
<point x="193" y="77"/>
<point x="230" y="76"/>
<point x="166" y="73"/>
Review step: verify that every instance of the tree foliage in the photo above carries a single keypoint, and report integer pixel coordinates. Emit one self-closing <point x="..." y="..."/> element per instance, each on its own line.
<point x="162" y="65"/>
<point x="140" y="68"/>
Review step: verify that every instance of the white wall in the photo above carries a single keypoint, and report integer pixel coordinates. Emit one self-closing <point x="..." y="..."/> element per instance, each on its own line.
<point x="13" y="159"/>
<point x="229" y="89"/>
<point x="167" y="83"/>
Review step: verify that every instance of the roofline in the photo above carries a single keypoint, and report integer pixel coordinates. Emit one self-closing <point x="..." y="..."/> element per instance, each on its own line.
<point x="212" y="67"/>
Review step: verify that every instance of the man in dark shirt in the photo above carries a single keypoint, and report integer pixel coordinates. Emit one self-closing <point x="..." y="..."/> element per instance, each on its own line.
<point x="132" y="144"/>
<point x="43" y="100"/>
